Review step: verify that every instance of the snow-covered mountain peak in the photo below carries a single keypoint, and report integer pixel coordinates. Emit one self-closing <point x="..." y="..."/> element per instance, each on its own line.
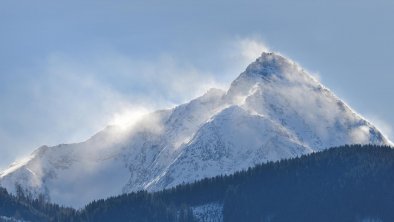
<point x="268" y="64"/>
<point x="273" y="110"/>
<point x="280" y="89"/>
<point x="271" y="68"/>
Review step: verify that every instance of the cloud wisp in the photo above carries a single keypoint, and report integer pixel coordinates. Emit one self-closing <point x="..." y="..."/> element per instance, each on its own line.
<point x="70" y="98"/>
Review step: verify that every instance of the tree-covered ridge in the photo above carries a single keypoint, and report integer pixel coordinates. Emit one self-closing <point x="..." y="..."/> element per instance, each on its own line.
<point x="23" y="207"/>
<point x="350" y="183"/>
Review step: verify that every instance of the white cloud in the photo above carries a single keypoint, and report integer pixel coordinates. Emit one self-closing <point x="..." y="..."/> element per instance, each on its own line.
<point x="241" y="52"/>
<point x="128" y="116"/>
<point x="82" y="97"/>
<point x="251" y="48"/>
<point x="71" y="98"/>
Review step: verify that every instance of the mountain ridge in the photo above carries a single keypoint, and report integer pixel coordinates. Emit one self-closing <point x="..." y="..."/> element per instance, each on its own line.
<point x="202" y="138"/>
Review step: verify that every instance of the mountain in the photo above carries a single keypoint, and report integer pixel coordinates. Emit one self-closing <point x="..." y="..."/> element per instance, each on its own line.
<point x="273" y="110"/>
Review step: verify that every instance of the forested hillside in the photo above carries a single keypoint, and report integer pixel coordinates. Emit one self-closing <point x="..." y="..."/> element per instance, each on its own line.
<point x="351" y="183"/>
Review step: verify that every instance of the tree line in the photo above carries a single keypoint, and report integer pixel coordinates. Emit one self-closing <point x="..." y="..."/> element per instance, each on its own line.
<point x="348" y="183"/>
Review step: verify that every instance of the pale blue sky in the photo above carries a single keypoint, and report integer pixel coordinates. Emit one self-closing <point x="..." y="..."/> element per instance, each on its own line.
<point x="67" y="68"/>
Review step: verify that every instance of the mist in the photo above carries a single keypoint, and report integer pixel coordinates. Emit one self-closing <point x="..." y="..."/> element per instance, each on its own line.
<point x="68" y="99"/>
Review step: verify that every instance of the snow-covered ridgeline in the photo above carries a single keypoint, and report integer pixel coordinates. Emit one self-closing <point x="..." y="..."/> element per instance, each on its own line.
<point x="273" y="110"/>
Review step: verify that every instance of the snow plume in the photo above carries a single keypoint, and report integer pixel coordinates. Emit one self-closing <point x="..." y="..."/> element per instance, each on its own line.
<point x="117" y="89"/>
<point x="245" y="50"/>
<point x="71" y="98"/>
<point x="113" y="87"/>
<point x="128" y="116"/>
<point x="252" y="48"/>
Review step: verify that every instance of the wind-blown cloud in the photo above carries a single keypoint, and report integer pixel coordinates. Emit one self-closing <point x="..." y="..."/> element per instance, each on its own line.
<point x="241" y="52"/>
<point x="68" y="98"/>
<point x="251" y="48"/>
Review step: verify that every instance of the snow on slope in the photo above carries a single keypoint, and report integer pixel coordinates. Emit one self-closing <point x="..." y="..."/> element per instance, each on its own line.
<point x="233" y="140"/>
<point x="280" y="89"/>
<point x="273" y="110"/>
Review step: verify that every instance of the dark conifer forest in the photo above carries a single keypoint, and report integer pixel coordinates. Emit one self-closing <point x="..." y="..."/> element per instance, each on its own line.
<point x="350" y="183"/>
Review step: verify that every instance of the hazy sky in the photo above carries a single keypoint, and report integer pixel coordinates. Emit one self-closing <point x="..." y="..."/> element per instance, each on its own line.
<point x="69" y="68"/>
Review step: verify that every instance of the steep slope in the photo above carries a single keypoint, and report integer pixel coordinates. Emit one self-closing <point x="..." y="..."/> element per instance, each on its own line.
<point x="273" y="110"/>
<point x="112" y="161"/>
<point x="233" y="140"/>
<point x="280" y="89"/>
